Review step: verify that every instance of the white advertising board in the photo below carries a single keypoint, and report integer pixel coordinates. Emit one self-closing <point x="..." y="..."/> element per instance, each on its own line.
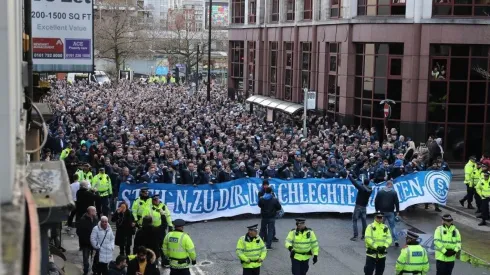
<point x="62" y="35"/>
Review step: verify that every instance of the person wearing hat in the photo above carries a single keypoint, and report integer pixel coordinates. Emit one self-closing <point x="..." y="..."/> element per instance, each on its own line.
<point x="251" y="251"/>
<point x="476" y="185"/>
<point x="102" y="184"/>
<point x="468" y="175"/>
<point x="159" y="212"/>
<point x="302" y="244"/>
<point x="377" y="239"/>
<point x="141" y="206"/>
<point x="483" y="190"/>
<point x="305" y="172"/>
<point x="470" y="185"/>
<point x="413" y="257"/>
<point x="179" y="249"/>
<point x="447" y="243"/>
<point x="241" y="171"/>
<point x="84" y="173"/>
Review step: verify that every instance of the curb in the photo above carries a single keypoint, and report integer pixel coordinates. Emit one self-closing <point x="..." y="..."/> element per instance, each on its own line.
<point x="483" y="262"/>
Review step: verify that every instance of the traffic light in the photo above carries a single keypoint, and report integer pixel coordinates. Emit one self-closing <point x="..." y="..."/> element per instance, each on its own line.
<point x="176" y="74"/>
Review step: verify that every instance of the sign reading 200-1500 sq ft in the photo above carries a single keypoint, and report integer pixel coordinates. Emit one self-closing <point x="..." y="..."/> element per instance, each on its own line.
<point x="62" y="35"/>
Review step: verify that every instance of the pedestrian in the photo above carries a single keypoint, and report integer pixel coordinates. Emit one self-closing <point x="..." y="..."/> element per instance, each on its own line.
<point x="118" y="267"/>
<point x="387" y="202"/>
<point x="141" y="206"/>
<point x="377" y="239"/>
<point x="85" y="198"/>
<point x="471" y="170"/>
<point x="102" y="240"/>
<point x="269" y="206"/>
<point x="147" y="236"/>
<point x="125" y="228"/>
<point x="477" y="186"/>
<point x="413" y="257"/>
<point x="302" y="244"/>
<point x="483" y="190"/>
<point x="144" y="263"/>
<point x="84" y="228"/>
<point x="447" y="243"/>
<point x="75" y="186"/>
<point x="362" y="200"/>
<point x="179" y="249"/>
<point x="102" y="184"/>
<point x="251" y="251"/>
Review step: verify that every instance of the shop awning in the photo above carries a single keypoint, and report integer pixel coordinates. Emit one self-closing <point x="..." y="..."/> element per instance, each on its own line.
<point x="276" y="104"/>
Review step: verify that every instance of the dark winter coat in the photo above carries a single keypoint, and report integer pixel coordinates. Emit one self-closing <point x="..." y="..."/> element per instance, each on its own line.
<point x="84" y="229"/>
<point x="124" y="226"/>
<point x="149" y="237"/>
<point x="151" y="267"/>
<point x="85" y="198"/>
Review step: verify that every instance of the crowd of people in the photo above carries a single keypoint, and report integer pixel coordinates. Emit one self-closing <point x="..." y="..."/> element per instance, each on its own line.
<point x="142" y="133"/>
<point x="150" y="133"/>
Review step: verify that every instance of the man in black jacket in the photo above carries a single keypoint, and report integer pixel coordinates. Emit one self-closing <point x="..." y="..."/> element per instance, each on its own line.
<point x="190" y="175"/>
<point x="362" y="200"/>
<point x="84" y="229"/>
<point x="85" y="198"/>
<point x="269" y="205"/>
<point x="144" y="257"/>
<point x="387" y="202"/>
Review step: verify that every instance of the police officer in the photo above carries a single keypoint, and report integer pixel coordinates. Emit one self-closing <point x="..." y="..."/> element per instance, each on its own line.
<point x="377" y="239"/>
<point x="179" y="249"/>
<point x="251" y="251"/>
<point x="447" y="242"/>
<point x="413" y="257"/>
<point x="102" y="184"/>
<point x="483" y="190"/>
<point x="302" y="244"/>
<point x="141" y="206"/>
<point x="161" y="219"/>
<point x="468" y="175"/>
<point x="84" y="173"/>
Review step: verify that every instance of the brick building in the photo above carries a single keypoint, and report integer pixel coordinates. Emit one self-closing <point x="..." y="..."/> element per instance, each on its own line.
<point x="429" y="56"/>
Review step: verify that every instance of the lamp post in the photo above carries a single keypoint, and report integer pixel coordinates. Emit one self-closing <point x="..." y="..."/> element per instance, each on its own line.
<point x="208" y="94"/>
<point x="305" y="102"/>
<point x="197" y="69"/>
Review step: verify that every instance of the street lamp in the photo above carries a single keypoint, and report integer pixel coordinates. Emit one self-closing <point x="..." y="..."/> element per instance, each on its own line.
<point x="208" y="94"/>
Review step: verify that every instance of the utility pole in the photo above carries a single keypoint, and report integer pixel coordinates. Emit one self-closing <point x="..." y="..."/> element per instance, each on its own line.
<point x="209" y="50"/>
<point x="197" y="70"/>
<point x="305" y="101"/>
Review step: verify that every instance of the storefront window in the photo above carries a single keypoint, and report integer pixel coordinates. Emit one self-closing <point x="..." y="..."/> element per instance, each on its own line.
<point x="378" y="77"/>
<point x="458" y="98"/>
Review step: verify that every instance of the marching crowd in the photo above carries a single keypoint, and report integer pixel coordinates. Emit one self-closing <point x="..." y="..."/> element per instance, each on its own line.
<point x="139" y="133"/>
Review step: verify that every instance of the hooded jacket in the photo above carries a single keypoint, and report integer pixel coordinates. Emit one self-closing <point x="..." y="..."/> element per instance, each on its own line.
<point x="151" y="267"/>
<point x="105" y="251"/>
<point x="269" y="205"/>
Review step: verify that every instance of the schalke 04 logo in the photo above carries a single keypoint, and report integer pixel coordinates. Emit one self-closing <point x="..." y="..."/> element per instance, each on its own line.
<point x="438" y="185"/>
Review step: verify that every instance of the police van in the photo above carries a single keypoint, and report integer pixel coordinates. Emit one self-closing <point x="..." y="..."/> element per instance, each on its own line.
<point x="98" y="76"/>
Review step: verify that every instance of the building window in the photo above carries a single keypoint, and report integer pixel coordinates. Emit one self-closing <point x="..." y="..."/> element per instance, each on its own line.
<point x="275" y="11"/>
<point x="290" y="10"/>
<point x="237" y="60"/>
<point x="238" y="15"/>
<point x="307" y="9"/>
<point x="336" y="9"/>
<point x="252" y="7"/>
<point x="461" y="8"/>
<point x="333" y="89"/>
<point x="381" y="7"/>
<point x="251" y="67"/>
<point x="274" y="53"/>
<point x="288" y="72"/>
<point x="305" y="68"/>
<point x="459" y="107"/>
<point x="378" y="76"/>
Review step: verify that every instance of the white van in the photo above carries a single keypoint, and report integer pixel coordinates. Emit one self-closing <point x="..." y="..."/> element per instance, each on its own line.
<point x="98" y="76"/>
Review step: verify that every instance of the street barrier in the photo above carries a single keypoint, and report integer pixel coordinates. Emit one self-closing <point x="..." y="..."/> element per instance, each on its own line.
<point x="211" y="201"/>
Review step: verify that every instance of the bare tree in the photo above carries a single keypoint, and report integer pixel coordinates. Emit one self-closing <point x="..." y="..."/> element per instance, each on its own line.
<point x="118" y="34"/>
<point x="181" y="38"/>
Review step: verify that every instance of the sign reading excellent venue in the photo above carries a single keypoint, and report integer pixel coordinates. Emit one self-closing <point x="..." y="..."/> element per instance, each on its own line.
<point x="62" y="35"/>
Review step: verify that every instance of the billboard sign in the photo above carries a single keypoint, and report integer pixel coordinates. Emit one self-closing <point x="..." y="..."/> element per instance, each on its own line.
<point x="62" y="35"/>
<point x="219" y="15"/>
